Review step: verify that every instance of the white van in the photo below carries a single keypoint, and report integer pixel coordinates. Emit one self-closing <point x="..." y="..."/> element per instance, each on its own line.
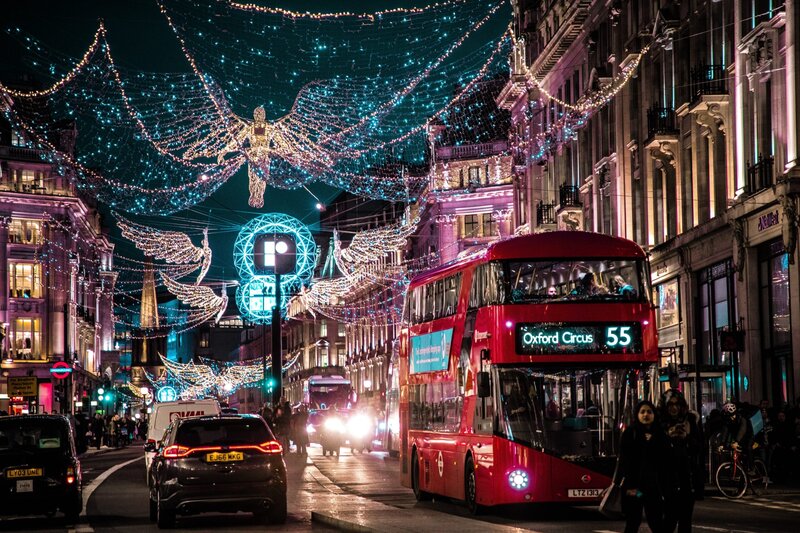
<point x="165" y="412"/>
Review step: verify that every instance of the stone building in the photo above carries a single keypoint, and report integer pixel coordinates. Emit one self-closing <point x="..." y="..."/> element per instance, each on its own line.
<point x="694" y="157"/>
<point x="56" y="280"/>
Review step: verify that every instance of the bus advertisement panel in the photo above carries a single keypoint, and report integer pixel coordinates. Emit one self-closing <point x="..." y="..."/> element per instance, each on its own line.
<point x="550" y="340"/>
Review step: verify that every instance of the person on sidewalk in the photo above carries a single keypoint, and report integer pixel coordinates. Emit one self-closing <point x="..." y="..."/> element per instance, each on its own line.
<point x="299" y="424"/>
<point x="644" y="470"/>
<point x="98" y="429"/>
<point x="682" y="428"/>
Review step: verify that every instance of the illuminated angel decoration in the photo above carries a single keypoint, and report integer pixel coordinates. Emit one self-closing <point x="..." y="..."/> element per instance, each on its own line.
<point x="200" y="298"/>
<point x="262" y="141"/>
<point x="171" y="246"/>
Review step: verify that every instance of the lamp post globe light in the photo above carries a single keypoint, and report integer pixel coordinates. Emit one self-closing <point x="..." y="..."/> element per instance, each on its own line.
<point x="274" y="254"/>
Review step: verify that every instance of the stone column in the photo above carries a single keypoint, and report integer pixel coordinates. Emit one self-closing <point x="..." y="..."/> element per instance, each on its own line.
<point x="57" y="288"/>
<point x="4" y="222"/>
<point x="791" y="73"/>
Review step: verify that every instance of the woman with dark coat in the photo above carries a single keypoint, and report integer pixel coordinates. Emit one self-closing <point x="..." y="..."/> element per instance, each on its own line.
<point x="643" y="470"/>
<point x="686" y="456"/>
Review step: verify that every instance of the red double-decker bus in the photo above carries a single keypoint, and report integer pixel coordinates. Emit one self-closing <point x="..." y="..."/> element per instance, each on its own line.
<point x="517" y="366"/>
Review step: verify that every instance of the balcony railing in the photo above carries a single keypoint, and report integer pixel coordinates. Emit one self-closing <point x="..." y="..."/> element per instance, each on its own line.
<point x="661" y="121"/>
<point x="707" y="79"/>
<point x="545" y="214"/>
<point x="569" y="196"/>
<point x="760" y="175"/>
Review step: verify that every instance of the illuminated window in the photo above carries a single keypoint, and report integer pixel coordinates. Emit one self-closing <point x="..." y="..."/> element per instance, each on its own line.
<point x="471" y="227"/>
<point x="25" y="231"/>
<point x="26" y="338"/>
<point x="323" y="329"/>
<point x="17" y="139"/>
<point x="204" y="336"/>
<point x="25" y="280"/>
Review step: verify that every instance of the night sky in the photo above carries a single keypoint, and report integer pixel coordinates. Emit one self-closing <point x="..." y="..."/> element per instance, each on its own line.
<point x="141" y="40"/>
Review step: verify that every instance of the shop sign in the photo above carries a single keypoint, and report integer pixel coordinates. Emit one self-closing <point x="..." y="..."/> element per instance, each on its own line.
<point x="768" y="220"/>
<point x="23" y="386"/>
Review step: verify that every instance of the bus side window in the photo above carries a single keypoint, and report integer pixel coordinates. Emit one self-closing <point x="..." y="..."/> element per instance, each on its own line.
<point x="483" y="422"/>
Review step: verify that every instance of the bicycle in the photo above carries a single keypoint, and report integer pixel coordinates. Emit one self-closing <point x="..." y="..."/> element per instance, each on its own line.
<point x="732" y="479"/>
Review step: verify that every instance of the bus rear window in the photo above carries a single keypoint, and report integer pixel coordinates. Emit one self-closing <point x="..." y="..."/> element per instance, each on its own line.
<point x="577" y="280"/>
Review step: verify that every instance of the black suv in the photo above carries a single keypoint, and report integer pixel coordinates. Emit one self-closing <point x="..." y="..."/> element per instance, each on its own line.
<point x="39" y="468"/>
<point x="225" y="463"/>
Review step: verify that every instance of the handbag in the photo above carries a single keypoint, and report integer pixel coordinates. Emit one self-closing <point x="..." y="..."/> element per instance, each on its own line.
<point x="611" y="504"/>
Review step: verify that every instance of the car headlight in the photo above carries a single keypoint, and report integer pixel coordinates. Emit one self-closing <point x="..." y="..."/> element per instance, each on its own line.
<point x="334" y="424"/>
<point x="310" y="429"/>
<point x="359" y="426"/>
<point x="518" y="479"/>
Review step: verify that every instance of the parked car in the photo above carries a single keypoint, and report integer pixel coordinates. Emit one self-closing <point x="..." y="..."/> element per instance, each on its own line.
<point x="225" y="463"/>
<point x="39" y="468"/>
<point x="165" y="412"/>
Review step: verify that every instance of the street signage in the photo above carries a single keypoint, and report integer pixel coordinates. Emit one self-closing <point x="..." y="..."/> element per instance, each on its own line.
<point x="23" y="386"/>
<point x="61" y="370"/>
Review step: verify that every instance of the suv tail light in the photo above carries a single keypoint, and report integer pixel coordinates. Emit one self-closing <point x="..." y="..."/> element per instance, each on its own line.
<point x="70" y="475"/>
<point x="176" y="451"/>
<point x="272" y="447"/>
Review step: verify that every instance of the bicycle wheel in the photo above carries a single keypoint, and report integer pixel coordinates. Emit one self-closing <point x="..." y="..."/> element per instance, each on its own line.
<point x="760" y="481"/>
<point x="731" y="482"/>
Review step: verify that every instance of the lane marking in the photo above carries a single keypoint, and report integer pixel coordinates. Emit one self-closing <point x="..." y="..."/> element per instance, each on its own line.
<point x="772" y="505"/>
<point x="96" y="482"/>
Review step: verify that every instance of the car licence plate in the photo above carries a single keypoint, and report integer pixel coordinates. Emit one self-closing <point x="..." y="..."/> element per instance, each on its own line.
<point x="220" y="457"/>
<point x="23" y="472"/>
<point x="584" y="493"/>
<point x="24" y="485"/>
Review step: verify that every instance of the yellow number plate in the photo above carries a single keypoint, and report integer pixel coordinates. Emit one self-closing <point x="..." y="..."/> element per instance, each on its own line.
<point x="218" y="457"/>
<point x="23" y="472"/>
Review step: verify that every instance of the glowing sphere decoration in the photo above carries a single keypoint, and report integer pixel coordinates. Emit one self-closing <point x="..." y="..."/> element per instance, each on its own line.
<point x="263" y="247"/>
<point x="167" y="394"/>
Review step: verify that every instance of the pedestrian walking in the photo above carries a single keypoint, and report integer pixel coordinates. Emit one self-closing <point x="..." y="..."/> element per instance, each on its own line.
<point x="686" y="461"/>
<point x="643" y="470"/>
<point x="299" y="425"/>
<point x="98" y="429"/>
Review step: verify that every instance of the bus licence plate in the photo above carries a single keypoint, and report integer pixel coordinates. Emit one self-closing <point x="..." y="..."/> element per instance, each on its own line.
<point x="23" y="472"/>
<point x="228" y="457"/>
<point x="584" y="493"/>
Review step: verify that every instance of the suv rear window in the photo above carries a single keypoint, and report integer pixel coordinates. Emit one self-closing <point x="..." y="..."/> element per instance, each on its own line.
<point x="29" y="434"/>
<point x="223" y="432"/>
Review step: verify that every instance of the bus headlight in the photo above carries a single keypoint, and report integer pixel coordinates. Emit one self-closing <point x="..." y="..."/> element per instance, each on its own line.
<point x="518" y="479"/>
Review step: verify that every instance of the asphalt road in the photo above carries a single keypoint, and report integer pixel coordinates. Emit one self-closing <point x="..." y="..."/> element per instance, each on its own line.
<point x="119" y="503"/>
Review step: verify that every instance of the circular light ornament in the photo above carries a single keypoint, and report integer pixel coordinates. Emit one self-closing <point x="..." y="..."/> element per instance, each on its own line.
<point x="255" y="295"/>
<point x="518" y="479"/>
<point x="167" y="394"/>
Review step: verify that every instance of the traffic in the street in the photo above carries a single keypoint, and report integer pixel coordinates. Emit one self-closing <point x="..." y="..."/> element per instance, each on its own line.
<point x="361" y="492"/>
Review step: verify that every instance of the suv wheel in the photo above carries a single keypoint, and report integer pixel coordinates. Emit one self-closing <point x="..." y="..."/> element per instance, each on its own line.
<point x="164" y="518"/>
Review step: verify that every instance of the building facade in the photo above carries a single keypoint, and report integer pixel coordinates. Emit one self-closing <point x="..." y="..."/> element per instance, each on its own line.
<point x="56" y="280"/>
<point x="692" y="154"/>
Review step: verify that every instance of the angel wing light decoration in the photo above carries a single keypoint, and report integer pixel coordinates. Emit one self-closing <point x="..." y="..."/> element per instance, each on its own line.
<point x="171" y="246"/>
<point x="200" y="298"/>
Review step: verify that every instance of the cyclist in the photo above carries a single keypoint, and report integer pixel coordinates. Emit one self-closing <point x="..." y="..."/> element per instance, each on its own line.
<point x="737" y="433"/>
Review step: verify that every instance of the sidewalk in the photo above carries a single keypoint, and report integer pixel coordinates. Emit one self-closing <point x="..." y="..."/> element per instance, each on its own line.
<point x="348" y="512"/>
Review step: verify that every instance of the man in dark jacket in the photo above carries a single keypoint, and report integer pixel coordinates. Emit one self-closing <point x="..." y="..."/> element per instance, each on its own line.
<point x="98" y="429"/>
<point x="686" y="455"/>
<point x="737" y="433"/>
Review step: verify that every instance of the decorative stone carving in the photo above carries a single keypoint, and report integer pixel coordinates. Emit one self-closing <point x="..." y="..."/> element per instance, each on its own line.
<point x="663" y="152"/>
<point x="737" y="227"/>
<point x="791" y="220"/>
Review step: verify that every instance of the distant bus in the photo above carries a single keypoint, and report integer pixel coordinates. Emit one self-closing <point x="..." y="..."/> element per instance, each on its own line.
<point x="519" y="367"/>
<point x="390" y="432"/>
<point x="325" y="392"/>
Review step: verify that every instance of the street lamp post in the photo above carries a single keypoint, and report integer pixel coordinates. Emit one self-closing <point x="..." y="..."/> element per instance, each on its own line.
<point x="277" y="363"/>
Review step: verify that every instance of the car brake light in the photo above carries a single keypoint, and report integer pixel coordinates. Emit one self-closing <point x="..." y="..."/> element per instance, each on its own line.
<point x="70" y="475"/>
<point x="271" y="447"/>
<point x="176" y="450"/>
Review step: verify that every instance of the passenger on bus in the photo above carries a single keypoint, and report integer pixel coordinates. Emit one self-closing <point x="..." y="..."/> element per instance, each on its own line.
<point x="588" y="286"/>
<point x="552" y="292"/>
<point x="515" y="401"/>
<point x="622" y="287"/>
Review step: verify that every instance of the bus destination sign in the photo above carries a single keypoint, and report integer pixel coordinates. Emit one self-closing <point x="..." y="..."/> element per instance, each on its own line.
<point x="556" y="338"/>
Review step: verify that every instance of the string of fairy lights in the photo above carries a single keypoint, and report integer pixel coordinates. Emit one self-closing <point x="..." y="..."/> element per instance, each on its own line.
<point x="368" y="85"/>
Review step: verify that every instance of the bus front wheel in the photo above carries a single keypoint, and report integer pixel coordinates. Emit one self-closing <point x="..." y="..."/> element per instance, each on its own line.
<point x="419" y="494"/>
<point x="471" y="487"/>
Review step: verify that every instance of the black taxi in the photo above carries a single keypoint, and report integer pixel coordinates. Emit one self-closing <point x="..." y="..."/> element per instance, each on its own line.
<point x="39" y="468"/>
<point x="223" y="463"/>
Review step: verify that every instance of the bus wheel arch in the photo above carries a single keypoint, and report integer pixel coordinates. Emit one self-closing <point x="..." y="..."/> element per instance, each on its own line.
<point x="471" y="485"/>
<point x="419" y="494"/>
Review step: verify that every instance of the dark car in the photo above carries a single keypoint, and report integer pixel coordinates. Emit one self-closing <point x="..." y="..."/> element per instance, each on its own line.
<point x="39" y="468"/>
<point x="225" y="463"/>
